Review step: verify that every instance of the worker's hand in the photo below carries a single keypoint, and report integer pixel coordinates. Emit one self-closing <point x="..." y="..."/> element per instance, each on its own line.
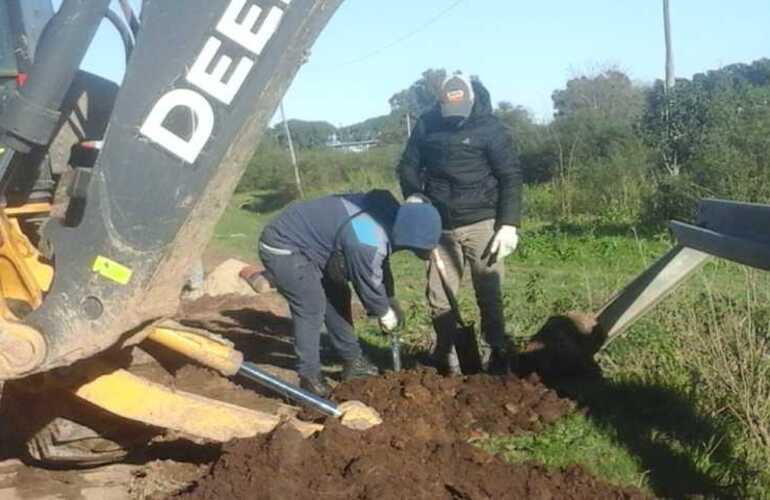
<point x="503" y="244"/>
<point x="389" y="322"/>
<point x="395" y="305"/>
<point x="417" y="198"/>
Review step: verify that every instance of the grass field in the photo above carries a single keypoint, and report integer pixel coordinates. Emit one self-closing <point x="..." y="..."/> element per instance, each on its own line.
<point x="684" y="404"/>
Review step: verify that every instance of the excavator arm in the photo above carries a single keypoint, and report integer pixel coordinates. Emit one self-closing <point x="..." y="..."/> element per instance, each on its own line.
<point x="204" y="78"/>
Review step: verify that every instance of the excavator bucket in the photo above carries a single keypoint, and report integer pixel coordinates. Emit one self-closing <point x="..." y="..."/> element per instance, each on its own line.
<point x="733" y="231"/>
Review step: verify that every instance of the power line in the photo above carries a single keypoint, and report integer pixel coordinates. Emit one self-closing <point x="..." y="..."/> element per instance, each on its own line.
<point x="407" y="36"/>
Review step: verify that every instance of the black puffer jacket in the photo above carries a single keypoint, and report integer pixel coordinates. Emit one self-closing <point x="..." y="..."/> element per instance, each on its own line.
<point x="471" y="172"/>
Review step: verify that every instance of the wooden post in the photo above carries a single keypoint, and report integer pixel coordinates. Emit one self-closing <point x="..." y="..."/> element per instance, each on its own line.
<point x="297" y="179"/>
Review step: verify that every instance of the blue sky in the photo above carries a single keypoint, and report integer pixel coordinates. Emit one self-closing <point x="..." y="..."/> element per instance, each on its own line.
<point x="522" y="50"/>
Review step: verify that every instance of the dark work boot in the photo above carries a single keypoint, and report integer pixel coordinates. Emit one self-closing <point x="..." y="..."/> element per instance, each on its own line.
<point x="499" y="362"/>
<point x="359" y="368"/>
<point x="444" y="357"/>
<point x="316" y="385"/>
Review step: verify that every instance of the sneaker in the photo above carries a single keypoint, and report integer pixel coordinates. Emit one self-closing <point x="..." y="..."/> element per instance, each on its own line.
<point x="499" y="363"/>
<point x="359" y="368"/>
<point x="316" y="385"/>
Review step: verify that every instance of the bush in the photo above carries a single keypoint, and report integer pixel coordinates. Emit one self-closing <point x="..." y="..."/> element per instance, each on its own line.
<point x="613" y="188"/>
<point x="321" y="170"/>
<point x="729" y="355"/>
<point x="673" y="198"/>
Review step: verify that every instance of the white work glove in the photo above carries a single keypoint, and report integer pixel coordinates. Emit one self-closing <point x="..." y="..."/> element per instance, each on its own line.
<point x="503" y="244"/>
<point x="416" y="198"/>
<point x="389" y="322"/>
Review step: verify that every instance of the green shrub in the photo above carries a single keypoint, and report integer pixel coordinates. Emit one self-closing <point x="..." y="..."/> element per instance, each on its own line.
<point x="674" y="198"/>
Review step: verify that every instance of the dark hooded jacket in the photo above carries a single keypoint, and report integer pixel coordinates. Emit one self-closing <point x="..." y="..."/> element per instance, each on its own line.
<point x="470" y="172"/>
<point x="359" y="228"/>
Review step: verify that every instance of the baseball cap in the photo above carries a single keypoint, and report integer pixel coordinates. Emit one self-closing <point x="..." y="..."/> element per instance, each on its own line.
<point x="456" y="97"/>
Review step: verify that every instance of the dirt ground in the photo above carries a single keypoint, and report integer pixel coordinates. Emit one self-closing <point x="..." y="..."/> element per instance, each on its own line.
<point x="421" y="451"/>
<point x="258" y="326"/>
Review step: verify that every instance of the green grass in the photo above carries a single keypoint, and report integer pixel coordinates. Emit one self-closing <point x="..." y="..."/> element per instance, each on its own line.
<point x="656" y="420"/>
<point x="573" y="440"/>
<point x="238" y="228"/>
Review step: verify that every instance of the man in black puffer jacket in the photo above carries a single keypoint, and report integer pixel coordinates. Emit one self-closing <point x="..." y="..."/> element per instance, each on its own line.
<point x="461" y="158"/>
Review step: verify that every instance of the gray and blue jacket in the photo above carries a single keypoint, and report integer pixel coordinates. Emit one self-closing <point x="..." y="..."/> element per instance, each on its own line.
<point x="311" y="228"/>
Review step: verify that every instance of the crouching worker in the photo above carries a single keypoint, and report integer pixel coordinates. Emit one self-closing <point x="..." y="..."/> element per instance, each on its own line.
<point x="313" y="249"/>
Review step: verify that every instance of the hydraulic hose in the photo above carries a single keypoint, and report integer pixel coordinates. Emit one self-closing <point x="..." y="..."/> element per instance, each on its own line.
<point x="125" y="34"/>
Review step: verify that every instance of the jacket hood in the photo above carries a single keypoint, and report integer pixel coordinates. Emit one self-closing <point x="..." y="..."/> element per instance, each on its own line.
<point x="483" y="104"/>
<point x="382" y="206"/>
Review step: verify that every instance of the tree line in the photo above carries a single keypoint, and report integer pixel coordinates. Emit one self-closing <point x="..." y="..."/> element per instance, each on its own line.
<point x="615" y="148"/>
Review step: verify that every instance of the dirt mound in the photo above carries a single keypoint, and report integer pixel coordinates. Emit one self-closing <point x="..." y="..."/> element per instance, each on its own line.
<point x="237" y="314"/>
<point x="450" y="408"/>
<point x="419" y="452"/>
<point x="343" y="464"/>
<point x="564" y="346"/>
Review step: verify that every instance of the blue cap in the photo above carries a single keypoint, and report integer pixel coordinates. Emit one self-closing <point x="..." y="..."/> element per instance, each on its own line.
<point x="417" y="226"/>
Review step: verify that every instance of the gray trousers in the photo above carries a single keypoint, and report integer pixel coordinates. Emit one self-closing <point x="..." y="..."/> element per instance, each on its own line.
<point x="313" y="301"/>
<point x="460" y="248"/>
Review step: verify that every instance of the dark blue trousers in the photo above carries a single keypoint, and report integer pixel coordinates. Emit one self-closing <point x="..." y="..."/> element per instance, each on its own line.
<point x="313" y="301"/>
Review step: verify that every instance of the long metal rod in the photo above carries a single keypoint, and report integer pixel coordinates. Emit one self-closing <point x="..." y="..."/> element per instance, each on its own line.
<point x="649" y="288"/>
<point x="292" y="392"/>
<point x="395" y="351"/>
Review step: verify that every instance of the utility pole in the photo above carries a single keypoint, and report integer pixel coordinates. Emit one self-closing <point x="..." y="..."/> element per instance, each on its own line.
<point x="297" y="179"/>
<point x="669" y="51"/>
<point x="672" y="163"/>
<point x="408" y="125"/>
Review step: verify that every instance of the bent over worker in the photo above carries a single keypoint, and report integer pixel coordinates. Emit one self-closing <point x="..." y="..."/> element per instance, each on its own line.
<point x="461" y="158"/>
<point x="313" y="249"/>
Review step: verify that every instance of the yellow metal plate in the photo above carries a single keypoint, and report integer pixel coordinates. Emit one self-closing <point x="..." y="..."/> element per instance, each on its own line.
<point x="112" y="270"/>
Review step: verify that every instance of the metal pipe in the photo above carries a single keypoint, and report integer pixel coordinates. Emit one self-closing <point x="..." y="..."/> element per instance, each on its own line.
<point x="292" y="392"/>
<point x="395" y="351"/>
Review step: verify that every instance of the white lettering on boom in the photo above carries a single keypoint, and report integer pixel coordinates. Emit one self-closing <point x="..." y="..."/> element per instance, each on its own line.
<point x="208" y="73"/>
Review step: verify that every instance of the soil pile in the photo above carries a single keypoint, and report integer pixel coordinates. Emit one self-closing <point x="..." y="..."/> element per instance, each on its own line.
<point x="564" y="346"/>
<point x="436" y="408"/>
<point x="419" y="452"/>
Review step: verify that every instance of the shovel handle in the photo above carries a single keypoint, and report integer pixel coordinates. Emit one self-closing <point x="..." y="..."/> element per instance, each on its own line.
<point x="441" y="268"/>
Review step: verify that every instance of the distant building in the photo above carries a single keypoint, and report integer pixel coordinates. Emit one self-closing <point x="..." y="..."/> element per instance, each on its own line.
<point x="350" y="147"/>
